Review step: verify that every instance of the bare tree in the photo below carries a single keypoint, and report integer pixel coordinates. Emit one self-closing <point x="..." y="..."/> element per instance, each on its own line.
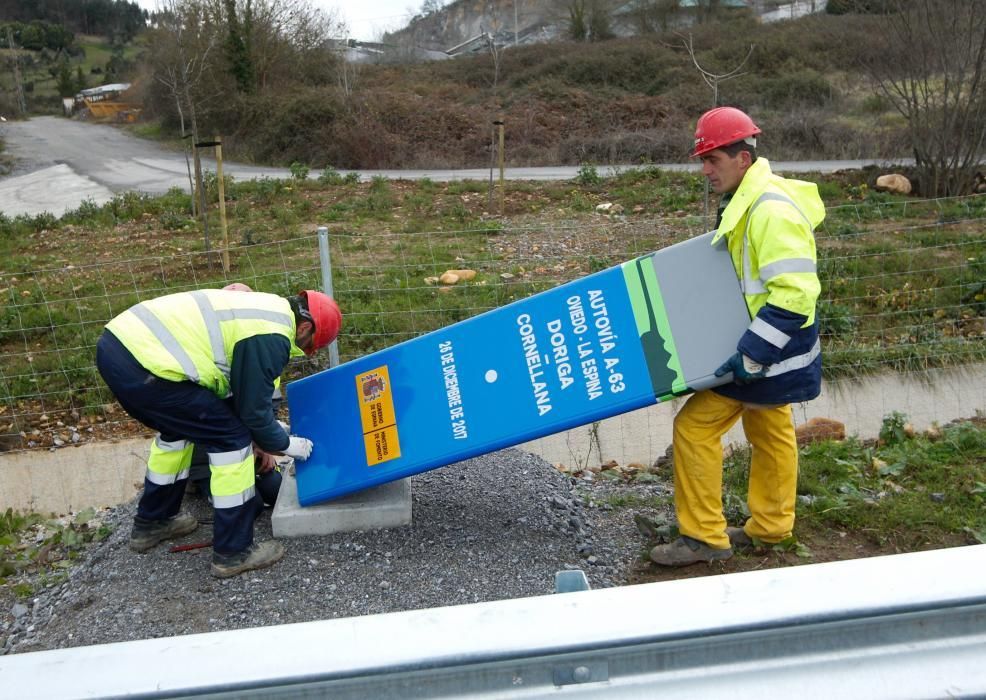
<point x="179" y="56"/>
<point x="279" y="44"/>
<point x="588" y="20"/>
<point x="578" y="26"/>
<point x="492" y="17"/>
<point x="348" y="73"/>
<point x="712" y="80"/>
<point x="288" y="40"/>
<point x="928" y="58"/>
<point x="600" y="23"/>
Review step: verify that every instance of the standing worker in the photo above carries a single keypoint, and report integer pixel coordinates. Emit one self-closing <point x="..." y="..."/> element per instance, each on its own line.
<point x="767" y="222"/>
<point x="199" y="367"/>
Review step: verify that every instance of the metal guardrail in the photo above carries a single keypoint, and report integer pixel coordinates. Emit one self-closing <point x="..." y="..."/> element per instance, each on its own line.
<point x="910" y="625"/>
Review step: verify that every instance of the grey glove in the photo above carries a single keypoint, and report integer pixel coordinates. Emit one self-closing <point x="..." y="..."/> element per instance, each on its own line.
<point x="299" y="448"/>
<point x="743" y="368"/>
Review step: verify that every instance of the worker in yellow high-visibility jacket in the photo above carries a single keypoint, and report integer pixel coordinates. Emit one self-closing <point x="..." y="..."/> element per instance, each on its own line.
<point x="199" y="367"/>
<point x="767" y="222"/>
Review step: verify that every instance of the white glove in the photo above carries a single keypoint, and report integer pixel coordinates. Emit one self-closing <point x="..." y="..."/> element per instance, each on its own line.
<point x="299" y="448"/>
<point x="751" y="366"/>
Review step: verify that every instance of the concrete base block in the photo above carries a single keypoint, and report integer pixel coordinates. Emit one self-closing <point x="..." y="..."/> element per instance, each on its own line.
<point x="384" y="506"/>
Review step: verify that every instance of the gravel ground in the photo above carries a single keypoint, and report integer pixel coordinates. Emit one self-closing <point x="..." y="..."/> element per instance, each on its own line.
<point x="490" y="528"/>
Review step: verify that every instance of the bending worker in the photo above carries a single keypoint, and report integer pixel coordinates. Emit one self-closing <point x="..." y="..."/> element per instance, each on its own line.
<point x="767" y="222"/>
<point x="199" y="367"/>
<point x="267" y="470"/>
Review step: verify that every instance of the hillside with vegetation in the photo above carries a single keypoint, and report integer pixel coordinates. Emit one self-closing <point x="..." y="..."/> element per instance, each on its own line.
<point x="834" y="85"/>
<point x="892" y="79"/>
<point x="624" y="100"/>
<point x="53" y="50"/>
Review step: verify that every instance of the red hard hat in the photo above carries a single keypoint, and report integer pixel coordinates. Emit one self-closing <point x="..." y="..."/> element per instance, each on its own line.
<point x="720" y="127"/>
<point x="325" y="315"/>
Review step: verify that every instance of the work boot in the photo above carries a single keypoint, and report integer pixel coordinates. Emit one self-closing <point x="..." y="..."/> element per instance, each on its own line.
<point x="147" y="533"/>
<point x="257" y="556"/>
<point x="687" y="550"/>
<point x="738" y="538"/>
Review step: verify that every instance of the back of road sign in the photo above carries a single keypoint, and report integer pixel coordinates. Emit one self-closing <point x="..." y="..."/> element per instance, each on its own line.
<point x="611" y="342"/>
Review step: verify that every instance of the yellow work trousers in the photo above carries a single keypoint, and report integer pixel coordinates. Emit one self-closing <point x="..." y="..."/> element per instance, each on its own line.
<point x="698" y="431"/>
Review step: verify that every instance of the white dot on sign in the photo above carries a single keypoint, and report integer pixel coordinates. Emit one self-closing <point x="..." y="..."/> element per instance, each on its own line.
<point x="491" y="376"/>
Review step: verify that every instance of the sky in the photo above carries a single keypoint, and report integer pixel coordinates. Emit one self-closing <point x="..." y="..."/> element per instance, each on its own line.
<point x="366" y="19"/>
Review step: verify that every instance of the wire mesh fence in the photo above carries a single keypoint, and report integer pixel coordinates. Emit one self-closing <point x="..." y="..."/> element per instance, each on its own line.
<point x="904" y="290"/>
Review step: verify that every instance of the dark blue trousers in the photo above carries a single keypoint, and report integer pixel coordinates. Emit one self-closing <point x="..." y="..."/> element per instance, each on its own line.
<point x="179" y="411"/>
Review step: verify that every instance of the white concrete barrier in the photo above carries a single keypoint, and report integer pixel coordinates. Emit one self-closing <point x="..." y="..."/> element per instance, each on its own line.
<point x="109" y="473"/>
<point x="937" y="396"/>
<point x="70" y="479"/>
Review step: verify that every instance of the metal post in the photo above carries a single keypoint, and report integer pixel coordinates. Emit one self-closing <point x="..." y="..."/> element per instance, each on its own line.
<point x="326" y="261"/>
<point x="489" y="203"/>
<point x="499" y="123"/>
<point x="200" y="193"/>
<point x="191" y="185"/>
<point x="222" y="203"/>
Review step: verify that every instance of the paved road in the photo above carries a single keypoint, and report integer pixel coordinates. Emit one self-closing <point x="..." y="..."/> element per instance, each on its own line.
<point x="60" y="163"/>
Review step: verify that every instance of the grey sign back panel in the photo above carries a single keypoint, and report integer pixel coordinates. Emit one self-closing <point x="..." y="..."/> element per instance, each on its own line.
<point x="704" y="306"/>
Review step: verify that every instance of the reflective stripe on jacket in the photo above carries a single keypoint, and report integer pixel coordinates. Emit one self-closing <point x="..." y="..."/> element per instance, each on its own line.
<point x="768" y="225"/>
<point x="191" y="335"/>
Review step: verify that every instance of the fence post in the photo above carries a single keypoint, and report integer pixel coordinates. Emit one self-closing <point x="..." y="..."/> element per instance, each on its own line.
<point x="326" y="261"/>
<point x="499" y="123"/>
<point x="222" y="203"/>
<point x="200" y="193"/>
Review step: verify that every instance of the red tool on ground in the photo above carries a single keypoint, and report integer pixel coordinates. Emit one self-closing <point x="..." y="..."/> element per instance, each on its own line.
<point x="187" y="547"/>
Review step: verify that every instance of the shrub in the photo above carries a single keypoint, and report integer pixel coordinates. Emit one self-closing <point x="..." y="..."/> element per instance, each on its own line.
<point x="894" y="428"/>
<point x="804" y="87"/>
<point x="330" y="176"/>
<point x="294" y="127"/>
<point x="830" y="191"/>
<point x="380" y="199"/>
<point x="588" y="175"/>
<point x="875" y="104"/>
<point x="835" y="319"/>
<point x="299" y="171"/>
<point x="44" y="221"/>
<point x="651" y="146"/>
<point x="808" y="133"/>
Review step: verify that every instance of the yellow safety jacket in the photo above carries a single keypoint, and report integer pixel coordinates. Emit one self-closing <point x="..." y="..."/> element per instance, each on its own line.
<point x="768" y="225"/>
<point x="191" y="335"/>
